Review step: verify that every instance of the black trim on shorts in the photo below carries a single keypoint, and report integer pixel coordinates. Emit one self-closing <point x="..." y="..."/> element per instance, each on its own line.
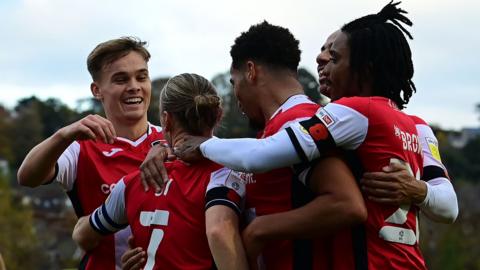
<point x="432" y="171"/>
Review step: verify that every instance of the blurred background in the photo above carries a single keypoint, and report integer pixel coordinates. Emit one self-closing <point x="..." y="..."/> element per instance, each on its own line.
<point x="45" y="86"/>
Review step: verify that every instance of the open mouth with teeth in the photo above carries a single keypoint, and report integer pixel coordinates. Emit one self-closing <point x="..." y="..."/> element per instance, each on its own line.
<point x="135" y="100"/>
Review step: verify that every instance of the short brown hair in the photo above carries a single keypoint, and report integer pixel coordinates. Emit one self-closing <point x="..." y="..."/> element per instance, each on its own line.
<point x="109" y="51"/>
<point x="193" y="101"/>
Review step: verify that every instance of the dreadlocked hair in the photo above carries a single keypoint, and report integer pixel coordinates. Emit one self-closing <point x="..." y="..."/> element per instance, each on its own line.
<point x="378" y="48"/>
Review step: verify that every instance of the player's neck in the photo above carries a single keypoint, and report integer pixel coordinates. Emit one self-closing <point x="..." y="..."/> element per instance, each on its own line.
<point x="131" y="131"/>
<point x="178" y="135"/>
<point x="278" y="92"/>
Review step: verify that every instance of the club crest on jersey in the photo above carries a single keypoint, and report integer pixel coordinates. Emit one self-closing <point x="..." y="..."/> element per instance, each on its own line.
<point x="112" y="152"/>
<point x="326" y="119"/>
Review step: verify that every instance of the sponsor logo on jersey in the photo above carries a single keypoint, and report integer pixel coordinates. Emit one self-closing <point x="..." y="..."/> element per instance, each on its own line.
<point x="246" y="178"/>
<point x="112" y="152"/>
<point x="326" y="119"/>
<point x="318" y="132"/>
<point x="106" y="188"/>
<point x="409" y="141"/>
<point x="433" y="146"/>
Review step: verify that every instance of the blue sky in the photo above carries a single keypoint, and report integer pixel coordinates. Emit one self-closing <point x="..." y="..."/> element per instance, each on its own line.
<point x="45" y="43"/>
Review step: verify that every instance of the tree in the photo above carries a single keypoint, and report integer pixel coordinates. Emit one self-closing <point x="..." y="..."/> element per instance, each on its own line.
<point x="153" y="113"/>
<point x="18" y="242"/>
<point x="234" y="123"/>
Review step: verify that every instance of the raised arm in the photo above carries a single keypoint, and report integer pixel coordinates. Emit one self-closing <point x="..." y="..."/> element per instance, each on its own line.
<point x="38" y="167"/>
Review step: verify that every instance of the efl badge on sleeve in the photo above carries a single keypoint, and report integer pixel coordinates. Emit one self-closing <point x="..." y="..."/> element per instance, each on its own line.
<point x="433" y="146"/>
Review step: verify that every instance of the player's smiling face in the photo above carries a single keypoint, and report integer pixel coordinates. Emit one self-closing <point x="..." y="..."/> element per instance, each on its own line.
<point x="322" y="60"/>
<point x="338" y="78"/>
<point x="124" y="87"/>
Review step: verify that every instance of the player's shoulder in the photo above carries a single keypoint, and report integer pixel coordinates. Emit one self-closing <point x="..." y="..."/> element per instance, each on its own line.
<point x="417" y="120"/>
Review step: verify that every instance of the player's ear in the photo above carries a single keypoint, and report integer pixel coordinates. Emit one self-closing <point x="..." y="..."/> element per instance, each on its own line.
<point x="251" y="71"/>
<point x="96" y="91"/>
<point x="167" y="121"/>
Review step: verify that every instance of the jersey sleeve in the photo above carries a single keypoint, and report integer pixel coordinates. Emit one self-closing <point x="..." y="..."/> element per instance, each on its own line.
<point x="111" y="216"/>
<point x="335" y="125"/>
<point x="432" y="163"/>
<point x="227" y="187"/>
<point x="66" y="167"/>
<point x="252" y="155"/>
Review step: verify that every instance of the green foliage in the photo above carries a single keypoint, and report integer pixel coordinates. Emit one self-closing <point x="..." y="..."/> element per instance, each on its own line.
<point x="18" y="243"/>
<point x="455" y="246"/>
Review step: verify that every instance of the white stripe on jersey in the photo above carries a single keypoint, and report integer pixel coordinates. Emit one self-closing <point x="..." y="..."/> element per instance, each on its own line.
<point x="67" y="166"/>
<point x="349" y="128"/>
<point x="142" y="138"/>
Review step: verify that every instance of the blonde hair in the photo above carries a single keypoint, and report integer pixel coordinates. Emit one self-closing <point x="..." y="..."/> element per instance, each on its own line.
<point x="193" y="101"/>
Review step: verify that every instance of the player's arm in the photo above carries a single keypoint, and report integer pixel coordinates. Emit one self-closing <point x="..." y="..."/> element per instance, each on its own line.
<point x="38" y="167"/>
<point x="84" y="235"/>
<point x="223" y="205"/>
<point x="333" y="126"/>
<point x="224" y="238"/>
<point x="339" y="204"/>
<point x="434" y="193"/>
<point x="107" y="219"/>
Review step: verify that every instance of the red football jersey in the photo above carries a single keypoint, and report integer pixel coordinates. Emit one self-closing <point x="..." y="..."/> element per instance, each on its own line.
<point x="88" y="170"/>
<point x="170" y="225"/>
<point x="379" y="134"/>
<point x="279" y="191"/>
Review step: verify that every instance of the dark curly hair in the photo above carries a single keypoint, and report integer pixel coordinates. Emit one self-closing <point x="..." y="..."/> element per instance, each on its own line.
<point x="379" y="48"/>
<point x="268" y="44"/>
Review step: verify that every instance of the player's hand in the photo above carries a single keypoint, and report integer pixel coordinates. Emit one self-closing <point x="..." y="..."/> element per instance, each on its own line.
<point x="91" y="127"/>
<point x="152" y="170"/>
<point x="253" y="244"/>
<point x="395" y="185"/>
<point x="134" y="258"/>
<point x="189" y="148"/>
